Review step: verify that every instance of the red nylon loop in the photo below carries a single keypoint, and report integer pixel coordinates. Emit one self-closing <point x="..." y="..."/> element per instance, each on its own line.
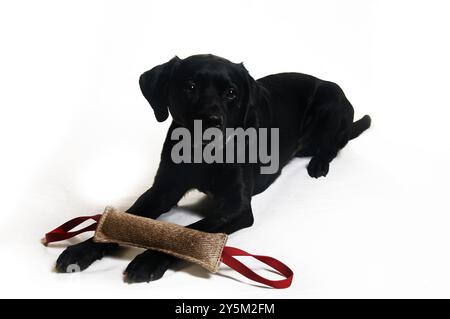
<point x="64" y="231"/>
<point x="230" y="261"/>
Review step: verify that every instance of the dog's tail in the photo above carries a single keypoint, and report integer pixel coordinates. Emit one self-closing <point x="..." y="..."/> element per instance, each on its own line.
<point x="360" y="126"/>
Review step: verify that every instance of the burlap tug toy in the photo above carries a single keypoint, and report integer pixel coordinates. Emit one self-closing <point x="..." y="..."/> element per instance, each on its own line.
<point x="205" y="249"/>
<point x="198" y="247"/>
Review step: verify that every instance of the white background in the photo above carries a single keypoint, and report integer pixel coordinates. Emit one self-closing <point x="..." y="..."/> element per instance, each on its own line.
<point x="76" y="135"/>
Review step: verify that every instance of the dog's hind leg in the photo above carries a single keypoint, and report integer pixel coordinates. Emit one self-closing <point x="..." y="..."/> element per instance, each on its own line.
<point x="307" y="151"/>
<point x="332" y="135"/>
<point x="332" y="129"/>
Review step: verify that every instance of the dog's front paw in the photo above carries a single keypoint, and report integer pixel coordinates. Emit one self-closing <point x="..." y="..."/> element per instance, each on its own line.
<point x="148" y="266"/>
<point x="80" y="256"/>
<point x="318" y="167"/>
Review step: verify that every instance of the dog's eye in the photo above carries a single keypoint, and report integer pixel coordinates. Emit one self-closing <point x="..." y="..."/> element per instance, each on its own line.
<point x="230" y="94"/>
<point x="191" y="86"/>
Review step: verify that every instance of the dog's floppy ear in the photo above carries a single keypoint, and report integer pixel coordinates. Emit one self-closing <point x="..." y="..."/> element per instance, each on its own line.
<point x="155" y="87"/>
<point x="250" y="100"/>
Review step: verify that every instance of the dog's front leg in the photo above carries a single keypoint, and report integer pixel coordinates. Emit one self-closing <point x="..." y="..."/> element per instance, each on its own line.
<point x="166" y="191"/>
<point x="163" y="195"/>
<point x="234" y="214"/>
<point x="151" y="265"/>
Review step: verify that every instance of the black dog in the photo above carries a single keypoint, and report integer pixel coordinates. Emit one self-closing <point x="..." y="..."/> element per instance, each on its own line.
<point x="313" y="116"/>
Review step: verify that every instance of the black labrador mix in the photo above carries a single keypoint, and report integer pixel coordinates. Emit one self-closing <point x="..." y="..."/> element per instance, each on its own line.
<point x="314" y="119"/>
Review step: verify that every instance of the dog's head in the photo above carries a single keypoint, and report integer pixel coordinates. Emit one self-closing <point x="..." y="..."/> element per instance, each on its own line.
<point x="201" y="87"/>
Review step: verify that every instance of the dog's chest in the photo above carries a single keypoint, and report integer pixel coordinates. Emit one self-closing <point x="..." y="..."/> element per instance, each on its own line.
<point x="213" y="179"/>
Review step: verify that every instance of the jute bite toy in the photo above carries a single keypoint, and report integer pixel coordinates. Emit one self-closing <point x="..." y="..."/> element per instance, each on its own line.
<point x="204" y="249"/>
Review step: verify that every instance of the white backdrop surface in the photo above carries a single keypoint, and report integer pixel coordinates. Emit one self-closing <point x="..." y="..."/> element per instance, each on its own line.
<point x="77" y="135"/>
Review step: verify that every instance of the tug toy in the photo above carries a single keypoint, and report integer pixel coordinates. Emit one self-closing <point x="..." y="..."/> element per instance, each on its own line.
<point x="205" y="249"/>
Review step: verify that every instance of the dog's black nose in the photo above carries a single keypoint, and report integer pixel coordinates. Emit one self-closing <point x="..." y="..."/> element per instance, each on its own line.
<point x="214" y="121"/>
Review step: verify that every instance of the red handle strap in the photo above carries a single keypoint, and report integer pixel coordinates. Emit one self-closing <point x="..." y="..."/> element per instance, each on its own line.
<point x="64" y="232"/>
<point x="230" y="261"/>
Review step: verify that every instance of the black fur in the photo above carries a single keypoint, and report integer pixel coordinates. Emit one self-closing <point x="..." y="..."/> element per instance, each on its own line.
<point x="313" y="116"/>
